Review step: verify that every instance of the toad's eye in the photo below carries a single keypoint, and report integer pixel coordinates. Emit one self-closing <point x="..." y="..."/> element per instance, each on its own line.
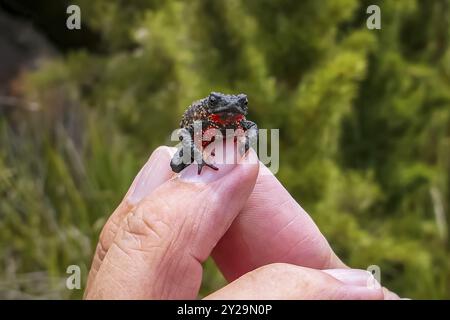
<point x="243" y="100"/>
<point x="213" y="99"/>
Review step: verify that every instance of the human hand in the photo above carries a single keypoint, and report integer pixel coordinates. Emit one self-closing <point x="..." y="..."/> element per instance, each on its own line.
<point x="153" y="245"/>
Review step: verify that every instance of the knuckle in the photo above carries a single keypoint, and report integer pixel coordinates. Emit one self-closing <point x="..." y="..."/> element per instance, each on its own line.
<point x="101" y="250"/>
<point x="151" y="227"/>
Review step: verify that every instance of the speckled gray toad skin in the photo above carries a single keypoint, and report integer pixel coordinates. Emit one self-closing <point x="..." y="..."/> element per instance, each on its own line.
<point x="219" y="111"/>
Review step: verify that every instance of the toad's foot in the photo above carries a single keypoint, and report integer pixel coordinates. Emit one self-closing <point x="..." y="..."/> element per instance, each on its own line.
<point x="204" y="163"/>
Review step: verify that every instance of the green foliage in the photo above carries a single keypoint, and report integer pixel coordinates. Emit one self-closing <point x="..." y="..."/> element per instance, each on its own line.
<point x="363" y="117"/>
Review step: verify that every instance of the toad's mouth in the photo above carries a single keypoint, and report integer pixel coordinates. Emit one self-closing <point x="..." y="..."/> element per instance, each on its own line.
<point x="229" y="114"/>
<point x="230" y="109"/>
<point x="226" y="117"/>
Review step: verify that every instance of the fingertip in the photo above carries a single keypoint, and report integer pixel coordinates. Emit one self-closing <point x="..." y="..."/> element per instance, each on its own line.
<point x="356" y="277"/>
<point x="243" y="177"/>
<point x="228" y="164"/>
<point x="250" y="164"/>
<point x="165" y="151"/>
<point x="389" y="295"/>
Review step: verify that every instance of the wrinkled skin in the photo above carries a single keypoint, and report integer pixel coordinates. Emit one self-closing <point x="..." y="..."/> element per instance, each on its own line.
<point x="154" y="244"/>
<point x="217" y="111"/>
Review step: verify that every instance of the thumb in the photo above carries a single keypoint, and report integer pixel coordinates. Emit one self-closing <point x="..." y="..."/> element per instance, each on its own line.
<point x="160" y="246"/>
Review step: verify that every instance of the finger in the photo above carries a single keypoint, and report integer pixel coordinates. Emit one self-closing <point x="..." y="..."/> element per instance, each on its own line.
<point x="155" y="172"/>
<point x="290" y="282"/>
<point x="389" y="295"/>
<point x="360" y="278"/>
<point x="355" y="277"/>
<point x="272" y="227"/>
<point x="159" y="249"/>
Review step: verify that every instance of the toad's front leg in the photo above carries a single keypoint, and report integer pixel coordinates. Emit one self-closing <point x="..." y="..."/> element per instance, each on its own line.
<point x="251" y="134"/>
<point x="188" y="152"/>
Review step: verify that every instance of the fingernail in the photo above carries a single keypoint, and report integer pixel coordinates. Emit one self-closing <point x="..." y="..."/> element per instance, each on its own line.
<point x="355" y="277"/>
<point x="226" y="158"/>
<point x="155" y="172"/>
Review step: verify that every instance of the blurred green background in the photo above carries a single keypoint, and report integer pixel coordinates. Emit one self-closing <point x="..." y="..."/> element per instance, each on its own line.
<point x="363" y="118"/>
